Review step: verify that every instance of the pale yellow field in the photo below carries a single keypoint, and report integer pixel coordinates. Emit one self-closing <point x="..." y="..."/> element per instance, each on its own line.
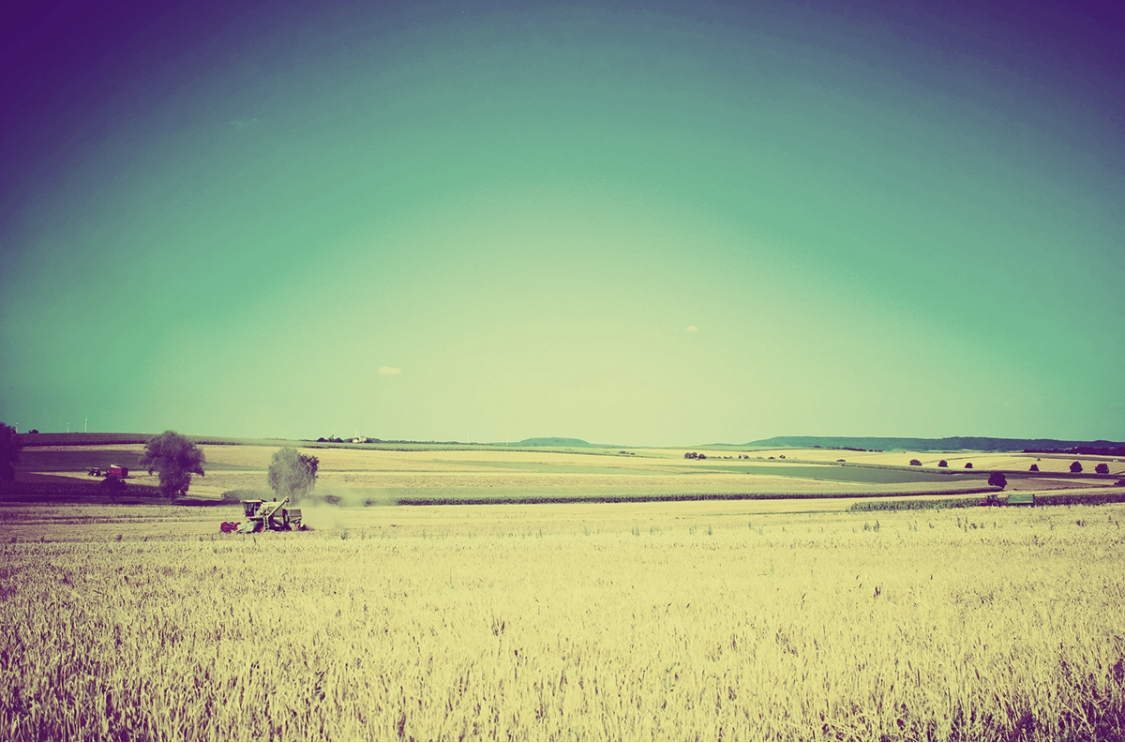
<point x="682" y="621"/>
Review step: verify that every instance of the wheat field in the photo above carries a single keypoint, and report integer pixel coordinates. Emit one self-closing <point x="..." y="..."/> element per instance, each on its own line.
<point x="649" y="621"/>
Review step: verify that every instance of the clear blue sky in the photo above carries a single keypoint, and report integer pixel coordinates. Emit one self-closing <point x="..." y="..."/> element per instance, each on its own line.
<point x="663" y="223"/>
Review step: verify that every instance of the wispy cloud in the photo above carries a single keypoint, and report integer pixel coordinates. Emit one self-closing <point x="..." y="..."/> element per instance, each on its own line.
<point x="240" y="124"/>
<point x="389" y="370"/>
<point x="692" y="329"/>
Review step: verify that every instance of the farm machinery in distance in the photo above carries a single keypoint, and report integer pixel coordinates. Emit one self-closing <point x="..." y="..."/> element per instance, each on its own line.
<point x="262" y="515"/>
<point x="112" y="472"/>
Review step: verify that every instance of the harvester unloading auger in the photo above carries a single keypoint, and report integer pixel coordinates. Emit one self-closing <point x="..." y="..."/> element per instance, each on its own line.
<point x="264" y="515"/>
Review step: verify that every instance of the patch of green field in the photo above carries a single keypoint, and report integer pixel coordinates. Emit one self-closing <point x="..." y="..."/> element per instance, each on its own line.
<point x="78" y="458"/>
<point x="35" y="459"/>
<point x="598" y="467"/>
<point x="839" y="473"/>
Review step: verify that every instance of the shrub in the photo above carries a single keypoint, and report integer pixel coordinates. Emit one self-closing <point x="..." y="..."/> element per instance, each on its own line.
<point x="943" y="463"/>
<point x="111" y="486"/>
<point x="1034" y="468"/>
<point x="968" y="465"/>
<point x="176" y="459"/>
<point x="915" y="463"/>
<point x="240" y="494"/>
<point x="9" y="452"/>
<point x="292" y="474"/>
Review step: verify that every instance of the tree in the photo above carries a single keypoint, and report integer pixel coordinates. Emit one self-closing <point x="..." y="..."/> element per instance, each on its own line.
<point x="943" y="463"/>
<point x="968" y="465"/>
<point x="997" y="480"/>
<point x="176" y="459"/>
<point x="1034" y="468"/>
<point x="292" y="474"/>
<point x="1102" y="469"/>
<point x="9" y="453"/>
<point x="915" y="463"/>
<point x="1076" y="467"/>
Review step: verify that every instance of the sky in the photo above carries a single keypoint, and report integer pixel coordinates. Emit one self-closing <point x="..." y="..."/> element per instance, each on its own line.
<point x="637" y="223"/>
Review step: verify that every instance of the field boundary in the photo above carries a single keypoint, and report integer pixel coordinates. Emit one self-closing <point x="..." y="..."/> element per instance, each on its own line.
<point x="1059" y="499"/>
<point x="499" y="500"/>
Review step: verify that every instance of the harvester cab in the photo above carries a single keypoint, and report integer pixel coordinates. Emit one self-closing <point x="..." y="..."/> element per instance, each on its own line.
<point x="264" y="515"/>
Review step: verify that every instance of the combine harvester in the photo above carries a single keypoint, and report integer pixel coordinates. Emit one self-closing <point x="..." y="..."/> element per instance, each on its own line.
<point x="264" y="515"/>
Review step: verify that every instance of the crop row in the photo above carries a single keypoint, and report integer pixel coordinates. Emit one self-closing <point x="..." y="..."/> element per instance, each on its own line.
<point x="103" y="488"/>
<point x="1053" y="499"/>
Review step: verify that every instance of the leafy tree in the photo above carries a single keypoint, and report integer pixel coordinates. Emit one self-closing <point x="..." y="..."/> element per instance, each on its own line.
<point x="1076" y="467"/>
<point x="292" y="474"/>
<point x="997" y="479"/>
<point x="9" y="453"/>
<point x="915" y="463"/>
<point x="943" y="463"/>
<point x="1102" y="469"/>
<point x="176" y="459"/>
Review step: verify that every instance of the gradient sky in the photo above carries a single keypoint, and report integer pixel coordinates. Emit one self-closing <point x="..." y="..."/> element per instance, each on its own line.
<point x="660" y="223"/>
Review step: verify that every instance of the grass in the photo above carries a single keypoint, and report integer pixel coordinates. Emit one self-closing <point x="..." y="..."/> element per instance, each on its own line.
<point x="629" y="621"/>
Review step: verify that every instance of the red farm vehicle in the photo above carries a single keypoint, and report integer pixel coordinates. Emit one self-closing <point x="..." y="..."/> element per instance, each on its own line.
<point x="114" y="471"/>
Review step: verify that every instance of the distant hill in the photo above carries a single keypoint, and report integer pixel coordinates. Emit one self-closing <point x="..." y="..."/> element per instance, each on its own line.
<point x="554" y="441"/>
<point x="952" y="443"/>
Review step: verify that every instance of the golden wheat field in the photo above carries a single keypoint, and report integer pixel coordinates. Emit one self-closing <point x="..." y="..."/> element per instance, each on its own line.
<point x="662" y="621"/>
